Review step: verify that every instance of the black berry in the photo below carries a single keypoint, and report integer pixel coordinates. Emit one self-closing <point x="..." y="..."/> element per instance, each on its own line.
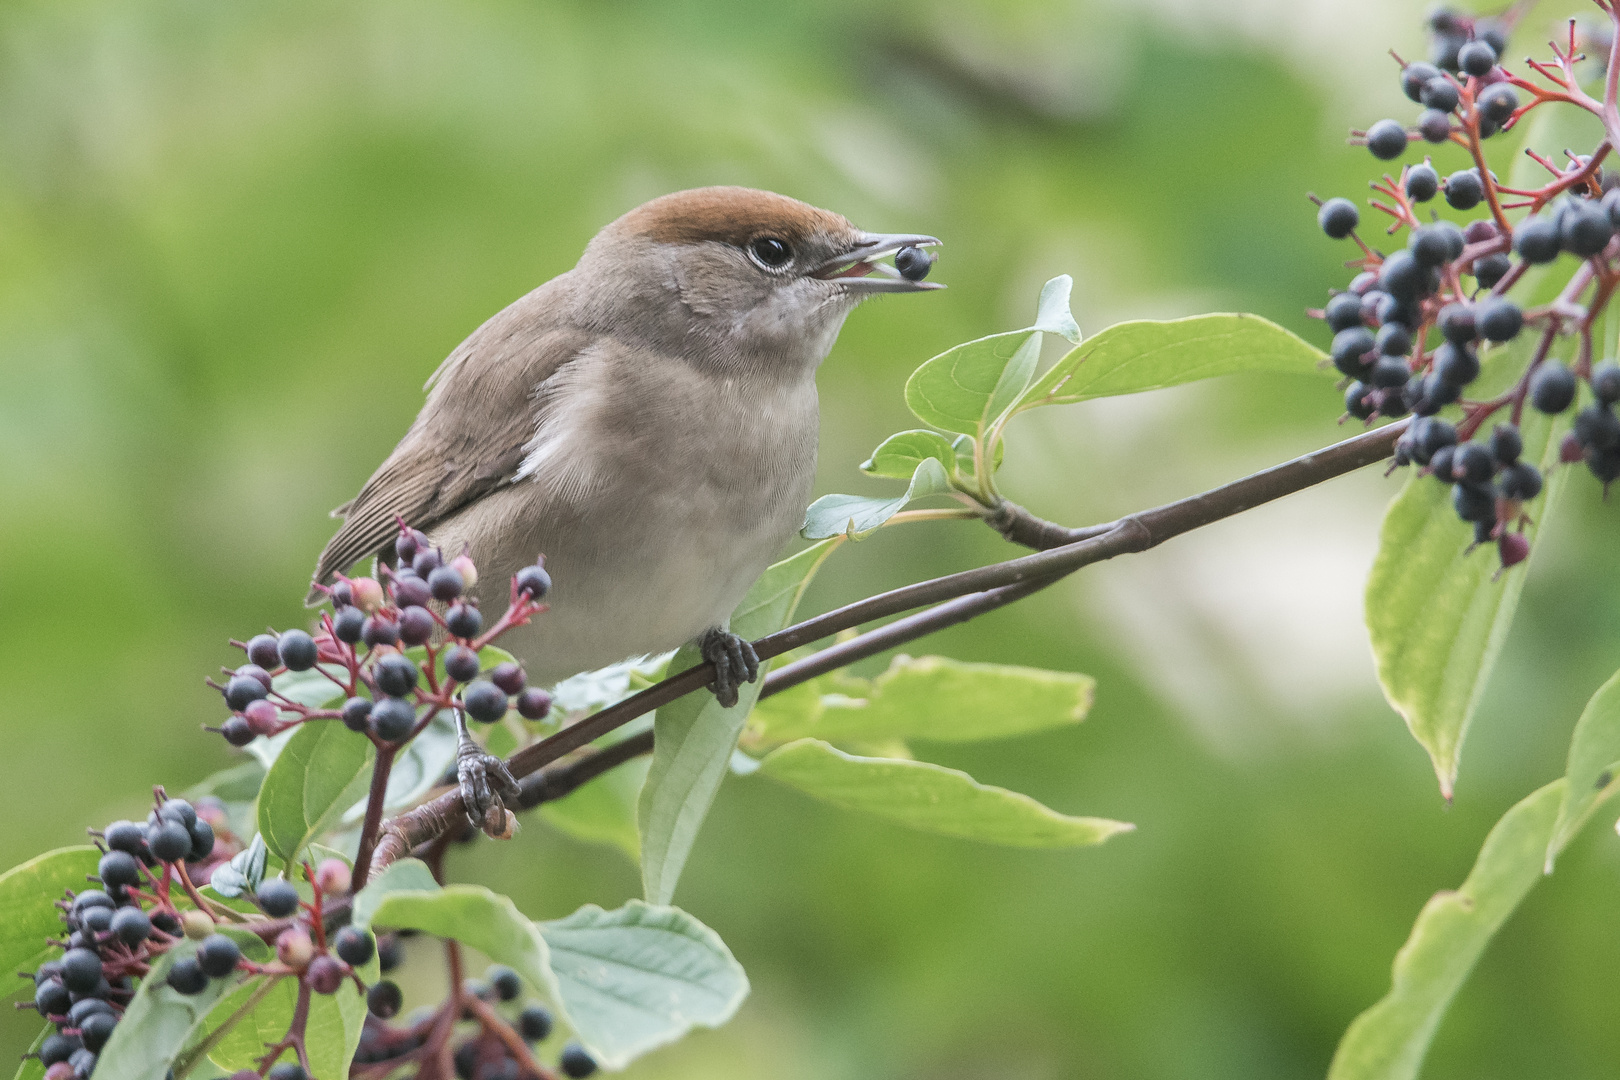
<point x="389" y="953"/>
<point x="484" y="701"/>
<point x="217" y="955"/>
<point x="1606" y="382"/>
<point x="1476" y="58"/>
<point x="1464" y="189"/>
<point x="1402" y="276"/>
<point x="1434" y="435"/>
<point x="1350" y="347"/>
<point x="416" y="625"/>
<point x="177" y="810"/>
<point x="1473" y="503"/>
<point x="379" y="630"/>
<point x="96" y="1030"/>
<point x="1430" y="245"/>
<point x="913" y="263"/>
<point x="354" y="946"/>
<point x="1440" y="464"/>
<point x="393" y="718"/>
<point x="1596" y="426"/>
<point x="1389" y="372"/>
<point x="1456" y="364"/>
<point x="1552" y="388"/>
<point x="1537" y="241"/>
<point x="58" y="1047"/>
<point x="1343" y="312"/>
<point x="187" y="976"/>
<point x="534" y="582"/>
<point x="1506" y="444"/>
<point x="1500" y="319"/>
<point x="1489" y="269"/>
<point x="446" y="583"/>
<point x="347" y="624"/>
<point x="242" y="691"/>
<point x="1457" y="323"/>
<point x="277" y="897"/>
<point x="1338" y="218"/>
<point x="1386" y="139"/>
<point x="1585" y="229"/>
<point x="297" y="650"/>
<point x="1472" y="464"/>
<point x="125" y="836"/>
<point x="51" y="998"/>
<point x="1440" y="93"/>
<point x="534" y="1023"/>
<point x="131" y="925"/>
<point x="461" y="664"/>
<point x="1422" y="183"/>
<point x="504" y="982"/>
<point x="356" y="713"/>
<point x="1415" y="76"/>
<point x="1356" y="402"/>
<point x="411" y="591"/>
<point x="169" y="841"/>
<point x="463" y="621"/>
<point x="575" y="1062"/>
<point x="1434" y="125"/>
<point x="288" y="1070"/>
<point x="384" y="1000"/>
<point x="1497" y="102"/>
<point x="509" y="677"/>
<point x="1519" y="480"/>
<point x="396" y="675"/>
<point x="261" y="650"/>
<point x="426" y="561"/>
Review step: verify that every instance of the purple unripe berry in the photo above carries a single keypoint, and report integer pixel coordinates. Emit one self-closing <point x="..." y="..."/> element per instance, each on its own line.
<point x="341" y="594"/>
<point x="509" y="677"/>
<point x="416" y="626"/>
<point x="405" y="547"/>
<point x="445" y="583"/>
<point x="411" y="591"/>
<point x="325" y="975"/>
<point x="461" y="664"/>
<point x="463" y="621"/>
<point x="534" y="703"/>
<point x="379" y="630"/>
<point x="484" y="701"/>
<point x="1434" y="125"/>
<point x="254" y="671"/>
<point x="426" y="561"/>
<point x="261" y="650"/>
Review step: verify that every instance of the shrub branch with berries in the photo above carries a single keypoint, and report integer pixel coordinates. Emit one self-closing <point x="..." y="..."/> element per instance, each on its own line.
<point x="251" y="927"/>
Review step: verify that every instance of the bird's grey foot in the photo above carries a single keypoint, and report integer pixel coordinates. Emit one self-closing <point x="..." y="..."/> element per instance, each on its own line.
<point x="734" y="660"/>
<point x="486" y="784"/>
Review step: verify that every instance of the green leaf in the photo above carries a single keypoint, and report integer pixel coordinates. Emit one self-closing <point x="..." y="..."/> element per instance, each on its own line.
<point x="238" y="788"/>
<point x="898" y="456"/>
<point x="402" y="875"/>
<point x="1130" y="357"/>
<point x="856" y="515"/>
<point x="28" y="895"/>
<point x="931" y="798"/>
<point x="641" y="977"/>
<point x="244" y="872"/>
<point x="933" y="697"/>
<point x="604" y="810"/>
<point x="1594" y="755"/>
<point x="332" y="1030"/>
<point x="966" y="388"/>
<point x="472" y="915"/>
<point x="31" y="1068"/>
<point x="317" y="776"/>
<point x="1389" y="1040"/>
<point x="1436" y="617"/>
<point x="694" y="736"/>
<point x="159" y="1023"/>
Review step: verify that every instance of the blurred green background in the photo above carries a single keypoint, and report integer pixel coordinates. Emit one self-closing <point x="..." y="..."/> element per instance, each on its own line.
<point x="235" y="238"/>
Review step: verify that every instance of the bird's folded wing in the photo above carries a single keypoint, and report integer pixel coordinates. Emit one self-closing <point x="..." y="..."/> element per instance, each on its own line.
<point x="470" y="437"/>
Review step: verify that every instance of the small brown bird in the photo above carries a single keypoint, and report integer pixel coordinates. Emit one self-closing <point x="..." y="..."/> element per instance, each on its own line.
<point x="647" y="421"/>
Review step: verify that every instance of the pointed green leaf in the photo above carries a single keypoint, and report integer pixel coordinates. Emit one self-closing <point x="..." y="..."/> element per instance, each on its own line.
<point x="933" y="697"/>
<point x="898" y="456"/>
<point x="1436" y="616"/>
<point x="402" y="875"/>
<point x="931" y="798"/>
<point x="695" y="736"/>
<point x="1052" y="315"/>
<point x="641" y="977"/>
<point x="159" y="1022"/>
<point x="1594" y="756"/>
<point x="317" y="775"/>
<point x="604" y="810"/>
<point x="332" y="1030"/>
<point x="856" y="515"/>
<point x="1389" y="1040"/>
<point x="1130" y="357"/>
<point x="28" y="895"/>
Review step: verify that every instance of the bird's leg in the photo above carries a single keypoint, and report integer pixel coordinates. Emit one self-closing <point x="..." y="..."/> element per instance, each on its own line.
<point x="734" y="660"/>
<point x="485" y="783"/>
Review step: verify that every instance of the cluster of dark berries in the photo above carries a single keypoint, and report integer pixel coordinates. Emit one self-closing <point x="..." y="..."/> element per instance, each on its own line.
<point x="1490" y="484"/>
<point x="361" y="646"/>
<point x="1595" y="437"/>
<point x="483" y="1054"/>
<point x="116" y="931"/>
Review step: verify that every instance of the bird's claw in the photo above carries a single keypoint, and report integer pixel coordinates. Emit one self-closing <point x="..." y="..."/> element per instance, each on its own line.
<point x="734" y="660"/>
<point x="486" y="786"/>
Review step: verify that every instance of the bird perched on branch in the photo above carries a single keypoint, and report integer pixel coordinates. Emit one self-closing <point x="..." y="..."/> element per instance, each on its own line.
<point x="647" y="421"/>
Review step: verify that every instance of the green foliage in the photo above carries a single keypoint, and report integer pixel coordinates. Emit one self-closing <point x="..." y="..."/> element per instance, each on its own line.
<point x="402" y="875"/>
<point x="1437" y="614"/>
<point x="898" y="456"/>
<point x="320" y="772"/>
<point x="694" y="736"/>
<point x="332" y="1030"/>
<point x="31" y="1068"/>
<point x="856" y="515"/>
<point x="604" y="810"/>
<point x="1131" y="357"/>
<point x="929" y="697"/>
<point x="640" y="977"/>
<point x="1594" y="755"/>
<point x="159" y="1023"/>
<point x="930" y="797"/>
<point x="28" y="895"/>
<point x="1389" y="1040"/>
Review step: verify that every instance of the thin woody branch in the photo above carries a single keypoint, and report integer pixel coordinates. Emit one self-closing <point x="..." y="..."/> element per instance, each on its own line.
<point x="960" y="597"/>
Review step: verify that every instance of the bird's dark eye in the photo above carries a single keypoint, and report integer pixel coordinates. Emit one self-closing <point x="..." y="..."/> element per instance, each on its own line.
<point x="771" y="252"/>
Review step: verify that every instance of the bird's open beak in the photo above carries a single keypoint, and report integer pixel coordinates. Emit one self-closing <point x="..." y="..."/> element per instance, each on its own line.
<point x="852" y="268"/>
